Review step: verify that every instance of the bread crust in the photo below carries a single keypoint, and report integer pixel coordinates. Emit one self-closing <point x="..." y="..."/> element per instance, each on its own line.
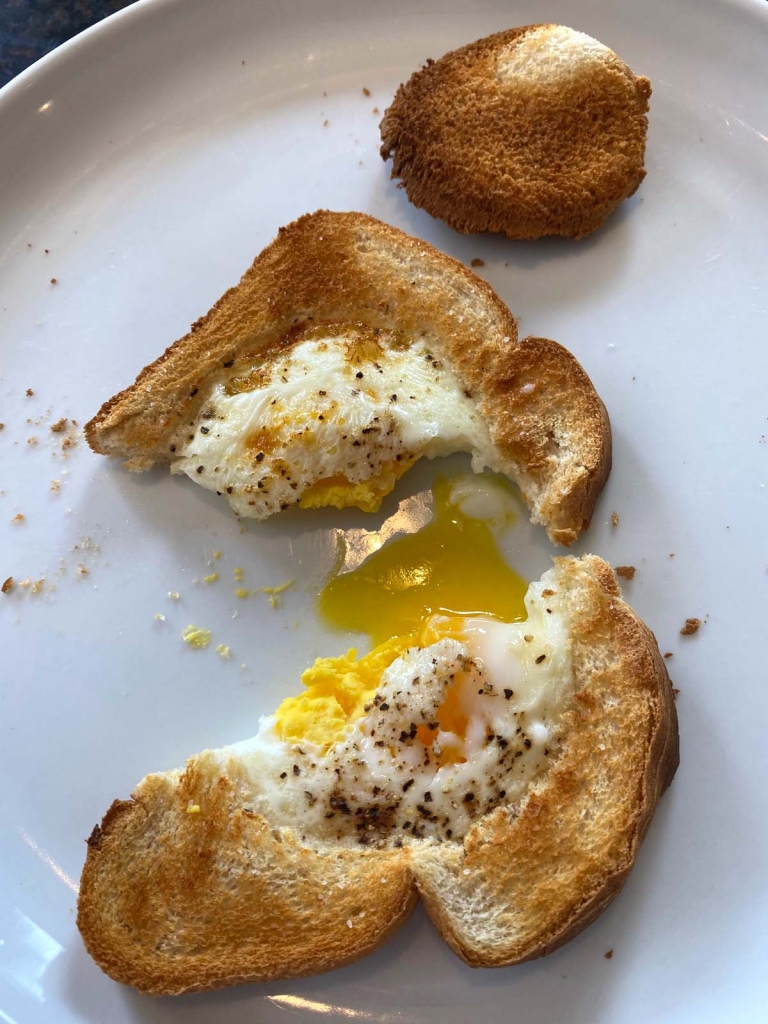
<point x="172" y="901"/>
<point x="548" y="425"/>
<point x="534" y="131"/>
<point x="545" y="871"/>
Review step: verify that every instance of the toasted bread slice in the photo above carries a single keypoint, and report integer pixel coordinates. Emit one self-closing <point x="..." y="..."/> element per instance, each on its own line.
<point x="534" y="131"/>
<point x="198" y="882"/>
<point x="347" y="351"/>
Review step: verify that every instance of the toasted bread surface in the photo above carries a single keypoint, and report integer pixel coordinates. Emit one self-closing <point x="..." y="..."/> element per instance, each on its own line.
<point x="538" y="130"/>
<point x="549" y="429"/>
<point x="172" y="901"/>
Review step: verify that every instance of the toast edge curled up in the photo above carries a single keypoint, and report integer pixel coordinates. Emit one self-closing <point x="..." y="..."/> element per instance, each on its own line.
<point x="173" y="902"/>
<point x="548" y="425"/>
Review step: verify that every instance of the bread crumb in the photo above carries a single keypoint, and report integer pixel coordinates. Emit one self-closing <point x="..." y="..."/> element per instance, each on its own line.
<point x="2" y="426"/>
<point x="174" y="595"/>
<point x="326" y="122"/>
<point x="55" y="486"/>
<point x="366" y="92"/>
<point x="675" y="691"/>
<point x="223" y="652"/>
<point x="669" y="655"/>
<point x="609" y="954"/>
<point x="614" y="518"/>
<point x="7" y="587"/>
<point x="54" y="280"/>
<point x="196" y="637"/>
<point x="30" y="393"/>
<point x="627" y="572"/>
<point x="477" y="262"/>
<point x="691" y="626"/>
<point x="211" y="578"/>
<point x="375" y="110"/>
<point x="59" y="425"/>
<point x="19" y="518"/>
<point x="159" y="617"/>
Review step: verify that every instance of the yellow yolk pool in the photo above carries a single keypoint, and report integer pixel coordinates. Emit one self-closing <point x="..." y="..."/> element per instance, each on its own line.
<point x="452" y="565"/>
<point x="413" y="591"/>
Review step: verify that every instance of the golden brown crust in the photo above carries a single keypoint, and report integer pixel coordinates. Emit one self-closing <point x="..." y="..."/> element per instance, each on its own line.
<point x="172" y="901"/>
<point x="536" y="878"/>
<point x="534" y="131"/>
<point x="348" y="266"/>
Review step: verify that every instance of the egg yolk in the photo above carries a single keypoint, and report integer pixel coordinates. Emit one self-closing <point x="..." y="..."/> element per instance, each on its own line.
<point x="412" y="592"/>
<point x="452" y="565"/>
<point x="367" y="495"/>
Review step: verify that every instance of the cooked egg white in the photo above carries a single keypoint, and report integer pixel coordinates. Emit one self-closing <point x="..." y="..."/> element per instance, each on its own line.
<point x="333" y="418"/>
<point x="421" y="736"/>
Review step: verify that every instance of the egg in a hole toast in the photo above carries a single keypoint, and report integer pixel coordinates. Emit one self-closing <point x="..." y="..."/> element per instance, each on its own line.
<point x="348" y="351"/>
<point x="504" y="773"/>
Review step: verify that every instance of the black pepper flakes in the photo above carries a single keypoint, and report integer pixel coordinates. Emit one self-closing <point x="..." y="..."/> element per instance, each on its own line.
<point x="200" y="469"/>
<point x="508" y="693"/>
<point x="296" y="770"/>
<point x="407" y="785"/>
<point x="540" y="658"/>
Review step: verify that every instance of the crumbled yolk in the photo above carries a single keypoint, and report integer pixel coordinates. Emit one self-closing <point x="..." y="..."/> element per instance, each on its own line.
<point x="411" y="592"/>
<point x="196" y="637"/>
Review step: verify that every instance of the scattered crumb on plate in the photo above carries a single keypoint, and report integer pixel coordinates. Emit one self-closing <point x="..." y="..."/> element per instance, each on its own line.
<point x="7" y="587"/>
<point x="668" y="655"/>
<point x="477" y="262"/>
<point x="691" y="626"/>
<point x="627" y="572"/>
<point x="614" y="518"/>
<point x="196" y="636"/>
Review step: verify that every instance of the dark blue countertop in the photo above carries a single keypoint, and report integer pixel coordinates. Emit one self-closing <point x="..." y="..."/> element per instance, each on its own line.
<point x="30" y="28"/>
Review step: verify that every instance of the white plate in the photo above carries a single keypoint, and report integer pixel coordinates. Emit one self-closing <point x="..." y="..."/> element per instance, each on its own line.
<point x="154" y="156"/>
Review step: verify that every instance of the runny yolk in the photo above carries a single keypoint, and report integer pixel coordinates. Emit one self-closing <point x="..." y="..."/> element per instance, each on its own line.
<point x="452" y="565"/>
